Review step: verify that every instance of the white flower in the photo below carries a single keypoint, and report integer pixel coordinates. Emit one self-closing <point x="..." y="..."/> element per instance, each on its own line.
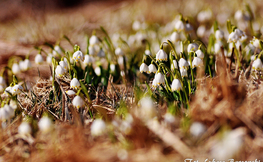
<point x="219" y="34"/>
<point x="2" y="81"/>
<point x="13" y="104"/>
<point x="235" y="36"/>
<point x="192" y="47"/>
<point x="4" y="114"/>
<point x="45" y="124"/>
<point x="179" y="25"/>
<point x="255" y="42"/>
<point x="197" y="62"/>
<point x="174" y="65"/>
<point x="24" y="128"/>
<point x="112" y="67"/>
<point x="197" y="129"/>
<point x="2" y="88"/>
<point x="78" y="56"/>
<point x="70" y="92"/>
<point x="101" y="53"/>
<point x="121" y="60"/>
<point x="183" y="72"/>
<point x="94" y="40"/>
<point x="26" y="65"/>
<point x="39" y="59"/>
<point x="60" y="71"/>
<point x="147" y="108"/>
<point x="239" y="15"/>
<point x="136" y="25"/>
<point x="161" y="55"/>
<point x="175" y="37"/>
<point x="239" y="33"/>
<point x="98" y="127"/>
<point x="183" y="64"/>
<point x="8" y="89"/>
<point x="88" y="60"/>
<point x="15" y="68"/>
<point x="74" y="83"/>
<point x="257" y="65"/>
<point x="122" y="73"/>
<point x="64" y="65"/>
<point x="201" y="31"/>
<point x="119" y="52"/>
<point x="49" y="58"/>
<point x="159" y="78"/>
<point x="217" y="47"/>
<point x="188" y="27"/>
<point x="97" y="71"/>
<point x="144" y="68"/>
<point x="57" y="50"/>
<point x="147" y="52"/>
<point x="152" y="68"/>
<point x="78" y="102"/>
<point x="176" y="85"/>
<point x="16" y="89"/>
<point x="200" y="54"/>
<point x="154" y="84"/>
<point x="169" y="118"/>
<point x="204" y="16"/>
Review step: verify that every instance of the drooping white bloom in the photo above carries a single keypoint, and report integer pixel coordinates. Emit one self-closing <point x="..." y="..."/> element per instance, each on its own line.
<point x="147" y="52"/>
<point x="112" y="67"/>
<point x="122" y="73"/>
<point x="94" y="40"/>
<point x="15" y="68"/>
<point x="179" y="26"/>
<point x="239" y="15"/>
<point x="92" y="50"/>
<point x="188" y="27"/>
<point x="101" y="53"/>
<point x="192" y="47"/>
<point x="183" y="72"/>
<point x="217" y="47"/>
<point x="70" y="92"/>
<point x="78" y="56"/>
<point x="2" y="81"/>
<point x="26" y="65"/>
<point x="239" y="33"/>
<point x="255" y="42"/>
<point x="24" y="128"/>
<point x="16" y="89"/>
<point x="235" y="36"/>
<point x="64" y="65"/>
<point x="200" y="54"/>
<point x="147" y="108"/>
<point x="60" y="71"/>
<point x="159" y="78"/>
<point x="8" y="89"/>
<point x="97" y="71"/>
<point x="197" y="62"/>
<point x="74" y="83"/>
<point x="88" y="60"/>
<point x="98" y="127"/>
<point x="45" y="124"/>
<point x="197" y="129"/>
<point x="49" y="58"/>
<point x="78" y="102"/>
<point x="144" y="68"/>
<point x="119" y="52"/>
<point x="176" y="85"/>
<point x="257" y="65"/>
<point x="201" y="31"/>
<point x="161" y="55"/>
<point x="57" y="51"/>
<point x="152" y="68"/>
<point x="174" y="65"/>
<point x="136" y="25"/>
<point x="183" y="64"/>
<point x="10" y="111"/>
<point x="204" y="16"/>
<point x="120" y="60"/>
<point x="175" y="37"/>
<point x="39" y="59"/>
<point x="4" y="114"/>
<point x="219" y="34"/>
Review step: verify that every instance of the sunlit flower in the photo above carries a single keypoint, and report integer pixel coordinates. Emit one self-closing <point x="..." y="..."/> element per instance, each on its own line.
<point x="144" y="68"/>
<point x="4" y="114"/>
<point x="175" y="37"/>
<point x="174" y="65"/>
<point x="15" y="68"/>
<point x="98" y="127"/>
<point x="197" y="62"/>
<point x="94" y="40"/>
<point x="39" y="59"/>
<point x="176" y="85"/>
<point x="192" y="47"/>
<point x="161" y="55"/>
<point x="64" y="65"/>
<point x="255" y="42"/>
<point x="57" y="51"/>
<point x="219" y="34"/>
<point x="200" y="54"/>
<point x="147" y="52"/>
<point x="183" y="64"/>
<point x="159" y="78"/>
<point x="119" y="52"/>
<point x="112" y="67"/>
<point x="217" y="47"/>
<point x="74" y="83"/>
<point x="45" y="124"/>
<point x="78" y="102"/>
<point x="70" y="92"/>
<point x="204" y="16"/>
<point x="179" y="26"/>
<point x="49" y="58"/>
<point x="201" y="30"/>
<point x="152" y="68"/>
<point x="24" y="128"/>
<point x="78" y="56"/>
<point x="136" y="25"/>
<point x="183" y="72"/>
<point x="60" y="71"/>
<point x="88" y="60"/>
<point x="16" y="89"/>
<point x="97" y="71"/>
<point x="13" y="104"/>
<point x="257" y="65"/>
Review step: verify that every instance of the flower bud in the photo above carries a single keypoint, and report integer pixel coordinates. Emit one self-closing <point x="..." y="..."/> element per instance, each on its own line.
<point x="144" y="68"/>
<point x="176" y="85"/>
<point x="159" y="78"/>
<point x="39" y="59"/>
<point x="60" y="71"/>
<point x="152" y="68"/>
<point x="161" y="55"/>
<point x="78" y="102"/>
<point x="74" y="83"/>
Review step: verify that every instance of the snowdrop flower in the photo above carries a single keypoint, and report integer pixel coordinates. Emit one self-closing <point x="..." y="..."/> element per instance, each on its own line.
<point x="179" y="26"/>
<point x="147" y="52"/>
<point x="200" y="54"/>
<point x="154" y="84"/>
<point x="233" y="37"/>
<point x="26" y="65"/>
<point x="183" y="64"/>
<point x="219" y="34"/>
<point x="120" y="60"/>
<point x="176" y="85"/>
<point x="24" y="128"/>
<point x="45" y="124"/>
<point x="175" y="37"/>
<point x="2" y="88"/>
<point x="64" y="65"/>
<point x="192" y="47"/>
<point x="13" y="104"/>
<point x="201" y="31"/>
<point x="217" y="47"/>
<point x="257" y="65"/>
<point x="101" y="53"/>
<point x="78" y="56"/>
<point x="60" y="71"/>
<point x="8" y="90"/>
<point x="122" y="73"/>
<point x="15" y="68"/>
<point x="197" y="129"/>
<point x="16" y="89"/>
<point x="239" y="15"/>
<point x="70" y="92"/>
<point x="204" y="16"/>
<point x="2" y="81"/>
<point x="78" y="102"/>
<point x="112" y="67"/>
<point x="169" y="118"/>
<point x="255" y="42"/>
<point x="197" y="62"/>
<point x="39" y="59"/>
<point x="161" y="55"/>
<point x="4" y="114"/>
<point x="144" y="68"/>
<point x="98" y="127"/>
<point x="147" y="108"/>
<point x="49" y="58"/>
<point x="174" y="65"/>
<point x="119" y="52"/>
<point x="159" y="78"/>
<point x="183" y="72"/>
<point x="88" y="60"/>
<point x="97" y="71"/>
<point x="136" y="25"/>
<point x="74" y="83"/>
<point x="239" y="33"/>
<point x="152" y="68"/>
<point x="94" y="40"/>
<point x="57" y="51"/>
